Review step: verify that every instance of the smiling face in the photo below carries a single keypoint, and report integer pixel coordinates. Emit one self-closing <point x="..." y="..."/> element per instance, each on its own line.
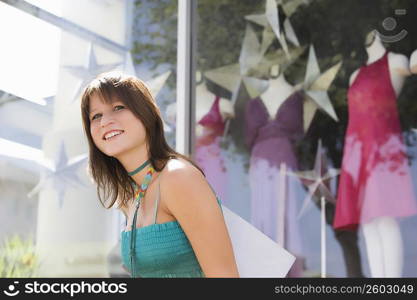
<point x="114" y="128"/>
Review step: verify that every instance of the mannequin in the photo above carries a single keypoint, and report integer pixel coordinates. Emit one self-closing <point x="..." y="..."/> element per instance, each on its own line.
<point x="274" y="122"/>
<point x="374" y="167"/>
<point x="279" y="90"/>
<point x="211" y="115"/>
<point x="413" y="62"/>
<point x="205" y="100"/>
<point x="398" y="63"/>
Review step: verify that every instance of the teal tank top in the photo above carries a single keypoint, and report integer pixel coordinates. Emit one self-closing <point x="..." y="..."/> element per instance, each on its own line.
<point x="161" y="250"/>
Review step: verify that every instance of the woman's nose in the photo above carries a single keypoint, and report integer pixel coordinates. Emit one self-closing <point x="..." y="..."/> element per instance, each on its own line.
<point x="106" y="119"/>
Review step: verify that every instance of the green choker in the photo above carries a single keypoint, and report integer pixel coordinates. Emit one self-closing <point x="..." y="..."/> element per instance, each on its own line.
<point x="140" y="168"/>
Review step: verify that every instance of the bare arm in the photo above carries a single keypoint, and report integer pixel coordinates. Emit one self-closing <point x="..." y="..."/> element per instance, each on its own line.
<point x="190" y="199"/>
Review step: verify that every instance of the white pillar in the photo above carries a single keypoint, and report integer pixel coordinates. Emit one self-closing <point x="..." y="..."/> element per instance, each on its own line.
<point x="74" y="240"/>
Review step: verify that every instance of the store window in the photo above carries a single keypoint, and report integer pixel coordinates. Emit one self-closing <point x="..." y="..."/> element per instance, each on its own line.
<point x="305" y="125"/>
<point x="305" y="116"/>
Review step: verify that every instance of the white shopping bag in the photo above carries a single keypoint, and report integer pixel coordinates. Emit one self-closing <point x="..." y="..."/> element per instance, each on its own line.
<point x="255" y="253"/>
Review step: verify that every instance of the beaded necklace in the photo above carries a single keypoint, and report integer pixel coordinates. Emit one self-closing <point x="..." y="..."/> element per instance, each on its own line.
<point x="139" y="194"/>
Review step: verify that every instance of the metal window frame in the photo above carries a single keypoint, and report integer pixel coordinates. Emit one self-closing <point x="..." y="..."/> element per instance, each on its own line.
<point x="186" y="65"/>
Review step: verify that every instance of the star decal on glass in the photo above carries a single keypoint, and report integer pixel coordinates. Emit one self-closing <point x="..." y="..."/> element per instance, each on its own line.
<point x="60" y="174"/>
<point x="89" y="72"/>
<point x="128" y="66"/>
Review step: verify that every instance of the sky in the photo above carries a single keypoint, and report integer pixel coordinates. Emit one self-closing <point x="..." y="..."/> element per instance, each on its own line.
<point x="29" y="54"/>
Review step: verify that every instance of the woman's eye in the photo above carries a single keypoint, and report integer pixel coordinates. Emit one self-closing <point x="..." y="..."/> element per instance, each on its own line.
<point x="96" y="116"/>
<point x="118" y="107"/>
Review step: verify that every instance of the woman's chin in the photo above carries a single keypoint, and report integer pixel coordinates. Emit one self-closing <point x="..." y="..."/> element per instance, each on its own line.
<point x="113" y="152"/>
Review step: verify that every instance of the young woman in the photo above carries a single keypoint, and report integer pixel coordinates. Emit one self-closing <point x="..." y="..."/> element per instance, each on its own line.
<point x="175" y="226"/>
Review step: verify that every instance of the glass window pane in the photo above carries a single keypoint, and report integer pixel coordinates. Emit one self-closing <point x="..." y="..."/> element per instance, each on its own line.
<point x="46" y="196"/>
<point x="302" y="100"/>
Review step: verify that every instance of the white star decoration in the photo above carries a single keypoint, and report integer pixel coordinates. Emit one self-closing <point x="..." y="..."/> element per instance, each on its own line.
<point x="232" y="76"/>
<point x="270" y="21"/>
<point x="315" y="88"/>
<point x="290" y="6"/>
<point x="317" y="180"/>
<point x="61" y="174"/>
<point x="88" y="73"/>
<point x="247" y="71"/>
<point x="129" y="67"/>
<point x="155" y="84"/>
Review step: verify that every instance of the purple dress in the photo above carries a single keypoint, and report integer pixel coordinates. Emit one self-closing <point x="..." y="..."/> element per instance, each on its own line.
<point x="271" y="142"/>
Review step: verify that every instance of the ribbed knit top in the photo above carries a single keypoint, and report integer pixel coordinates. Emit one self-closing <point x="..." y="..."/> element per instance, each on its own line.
<point x="161" y="250"/>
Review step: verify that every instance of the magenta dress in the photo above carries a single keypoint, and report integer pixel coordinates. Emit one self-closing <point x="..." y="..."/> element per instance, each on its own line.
<point x="208" y="153"/>
<point x="271" y="142"/>
<point x="375" y="178"/>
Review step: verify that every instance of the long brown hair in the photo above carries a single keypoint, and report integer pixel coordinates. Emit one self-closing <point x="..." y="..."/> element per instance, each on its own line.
<point x="109" y="174"/>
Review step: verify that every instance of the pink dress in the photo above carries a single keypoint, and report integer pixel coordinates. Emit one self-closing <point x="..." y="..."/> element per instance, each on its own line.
<point x="375" y="178"/>
<point x="208" y="154"/>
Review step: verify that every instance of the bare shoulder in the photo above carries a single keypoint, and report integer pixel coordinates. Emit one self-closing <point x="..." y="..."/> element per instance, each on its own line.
<point x="178" y="170"/>
<point x="193" y="204"/>
<point x="183" y="182"/>
<point x="413" y="62"/>
<point x="397" y="59"/>
<point x="399" y="63"/>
